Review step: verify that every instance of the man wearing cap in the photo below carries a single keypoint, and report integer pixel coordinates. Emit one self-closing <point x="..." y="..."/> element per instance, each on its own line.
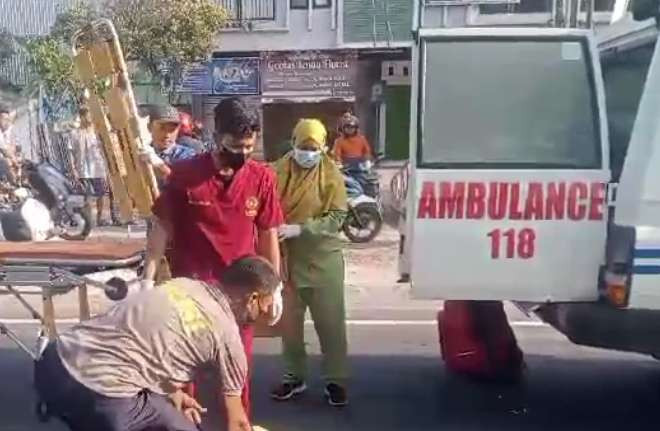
<point x="218" y="207"/>
<point x="164" y="123"/>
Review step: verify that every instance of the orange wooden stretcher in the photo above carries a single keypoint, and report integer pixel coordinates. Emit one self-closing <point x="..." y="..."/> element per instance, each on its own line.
<point x="54" y="268"/>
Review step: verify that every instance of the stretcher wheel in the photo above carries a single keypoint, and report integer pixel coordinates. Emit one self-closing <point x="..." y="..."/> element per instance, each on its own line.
<point x="117" y="289"/>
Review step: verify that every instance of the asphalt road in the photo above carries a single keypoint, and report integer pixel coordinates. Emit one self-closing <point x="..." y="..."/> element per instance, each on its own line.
<point x="398" y="381"/>
<point x="399" y="384"/>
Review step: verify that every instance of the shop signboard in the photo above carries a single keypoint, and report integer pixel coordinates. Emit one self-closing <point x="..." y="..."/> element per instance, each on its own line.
<point x="195" y="79"/>
<point x="309" y="74"/>
<point x="235" y="76"/>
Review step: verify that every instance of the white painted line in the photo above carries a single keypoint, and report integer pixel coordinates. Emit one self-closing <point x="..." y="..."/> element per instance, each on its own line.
<point x="366" y="322"/>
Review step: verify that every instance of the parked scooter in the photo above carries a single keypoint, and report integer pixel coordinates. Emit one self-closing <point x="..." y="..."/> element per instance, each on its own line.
<point x="45" y="209"/>
<point x="365" y="211"/>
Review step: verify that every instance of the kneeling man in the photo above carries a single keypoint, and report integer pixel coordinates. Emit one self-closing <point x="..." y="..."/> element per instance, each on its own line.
<point x="124" y="370"/>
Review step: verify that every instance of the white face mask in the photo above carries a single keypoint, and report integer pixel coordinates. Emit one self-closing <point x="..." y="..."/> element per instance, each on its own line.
<point x="306" y="159"/>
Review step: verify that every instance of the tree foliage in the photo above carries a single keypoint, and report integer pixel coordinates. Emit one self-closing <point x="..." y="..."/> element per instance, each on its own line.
<point x="166" y="32"/>
<point x="153" y="34"/>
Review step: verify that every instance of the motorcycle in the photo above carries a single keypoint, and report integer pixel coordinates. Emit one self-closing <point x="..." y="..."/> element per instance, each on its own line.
<point x="45" y="209"/>
<point x="364" y="220"/>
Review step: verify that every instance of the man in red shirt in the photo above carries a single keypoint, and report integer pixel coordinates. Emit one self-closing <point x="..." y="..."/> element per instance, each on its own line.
<point x="216" y="208"/>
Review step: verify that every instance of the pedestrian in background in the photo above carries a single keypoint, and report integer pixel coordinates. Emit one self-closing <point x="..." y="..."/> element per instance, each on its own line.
<point x="9" y="152"/>
<point x="313" y="196"/>
<point x="90" y="167"/>
<point x="164" y="124"/>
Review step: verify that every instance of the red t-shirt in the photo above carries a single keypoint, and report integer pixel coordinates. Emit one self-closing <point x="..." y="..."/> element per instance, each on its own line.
<point x="214" y="224"/>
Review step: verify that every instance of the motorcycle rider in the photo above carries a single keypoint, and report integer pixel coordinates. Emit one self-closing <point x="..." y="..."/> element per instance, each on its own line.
<point x="352" y="147"/>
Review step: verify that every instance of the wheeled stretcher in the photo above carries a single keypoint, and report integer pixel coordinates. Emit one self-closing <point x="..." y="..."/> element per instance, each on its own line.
<point x="55" y="268"/>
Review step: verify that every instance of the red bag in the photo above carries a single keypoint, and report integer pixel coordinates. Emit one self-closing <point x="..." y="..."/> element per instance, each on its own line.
<point x="476" y="339"/>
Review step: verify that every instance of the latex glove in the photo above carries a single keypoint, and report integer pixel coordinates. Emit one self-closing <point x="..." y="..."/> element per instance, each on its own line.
<point x="278" y="306"/>
<point x="146" y="284"/>
<point x="288" y="231"/>
<point x="368" y="165"/>
<point x="148" y="155"/>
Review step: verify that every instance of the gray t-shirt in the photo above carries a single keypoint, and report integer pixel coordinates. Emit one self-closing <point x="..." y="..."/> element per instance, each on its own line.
<point x="156" y="338"/>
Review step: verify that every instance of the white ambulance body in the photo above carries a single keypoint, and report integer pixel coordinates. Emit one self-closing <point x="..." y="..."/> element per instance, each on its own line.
<point x="511" y="194"/>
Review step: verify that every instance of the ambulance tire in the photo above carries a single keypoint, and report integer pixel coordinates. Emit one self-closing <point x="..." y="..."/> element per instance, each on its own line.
<point x="360" y="216"/>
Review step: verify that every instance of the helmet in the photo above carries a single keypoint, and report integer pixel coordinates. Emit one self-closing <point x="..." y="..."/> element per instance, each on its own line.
<point x="349" y="120"/>
<point x="186" y="127"/>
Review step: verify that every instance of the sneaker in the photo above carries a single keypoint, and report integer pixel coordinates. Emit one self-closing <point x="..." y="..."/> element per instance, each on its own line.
<point x="336" y="395"/>
<point x="290" y="387"/>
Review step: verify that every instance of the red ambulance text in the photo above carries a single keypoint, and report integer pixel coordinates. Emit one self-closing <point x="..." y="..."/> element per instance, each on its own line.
<point x="574" y="201"/>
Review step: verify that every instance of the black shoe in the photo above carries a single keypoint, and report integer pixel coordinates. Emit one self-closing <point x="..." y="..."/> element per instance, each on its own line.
<point x="405" y="278"/>
<point x="290" y="387"/>
<point x="336" y="395"/>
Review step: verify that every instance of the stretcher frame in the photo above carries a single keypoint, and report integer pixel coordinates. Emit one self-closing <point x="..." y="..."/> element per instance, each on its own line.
<point x="20" y="276"/>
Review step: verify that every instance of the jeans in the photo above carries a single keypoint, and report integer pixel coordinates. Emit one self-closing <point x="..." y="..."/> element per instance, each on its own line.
<point x="85" y="410"/>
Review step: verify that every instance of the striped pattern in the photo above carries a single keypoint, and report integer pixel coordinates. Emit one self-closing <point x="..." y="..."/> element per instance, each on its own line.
<point x="647" y="261"/>
<point x="30" y="17"/>
<point x="377" y="21"/>
<point x="249" y="10"/>
<point x="27" y="18"/>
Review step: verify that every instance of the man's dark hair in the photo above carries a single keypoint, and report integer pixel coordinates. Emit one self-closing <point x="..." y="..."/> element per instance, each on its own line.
<point x="250" y="274"/>
<point x="234" y="117"/>
<point x="83" y="111"/>
<point x="5" y="109"/>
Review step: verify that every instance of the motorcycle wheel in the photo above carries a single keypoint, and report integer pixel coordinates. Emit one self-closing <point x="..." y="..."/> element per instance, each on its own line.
<point x="363" y="223"/>
<point x="78" y="227"/>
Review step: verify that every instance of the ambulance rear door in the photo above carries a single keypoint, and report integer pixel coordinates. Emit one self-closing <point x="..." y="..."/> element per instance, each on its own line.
<point x="511" y="166"/>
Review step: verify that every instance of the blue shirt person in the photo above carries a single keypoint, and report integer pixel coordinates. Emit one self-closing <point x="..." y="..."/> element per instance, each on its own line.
<point x="164" y="123"/>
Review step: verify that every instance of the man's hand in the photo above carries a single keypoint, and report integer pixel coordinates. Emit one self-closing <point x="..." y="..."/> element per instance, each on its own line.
<point x="148" y="155"/>
<point x="187" y="405"/>
<point x="288" y="231"/>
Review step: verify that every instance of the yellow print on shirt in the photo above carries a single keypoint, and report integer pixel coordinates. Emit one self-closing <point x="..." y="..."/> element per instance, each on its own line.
<point x="192" y="319"/>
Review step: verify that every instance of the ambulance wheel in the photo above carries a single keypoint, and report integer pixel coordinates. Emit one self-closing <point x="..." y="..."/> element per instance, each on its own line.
<point x="363" y="223"/>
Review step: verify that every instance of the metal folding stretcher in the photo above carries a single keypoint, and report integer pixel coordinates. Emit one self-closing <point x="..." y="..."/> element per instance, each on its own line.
<point x="55" y="268"/>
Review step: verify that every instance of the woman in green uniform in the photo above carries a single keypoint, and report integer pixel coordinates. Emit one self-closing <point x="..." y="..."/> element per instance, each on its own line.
<point x="313" y="197"/>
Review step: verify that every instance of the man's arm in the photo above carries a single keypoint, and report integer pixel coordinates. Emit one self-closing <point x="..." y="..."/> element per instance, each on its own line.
<point x="156" y="245"/>
<point x="237" y="420"/>
<point x="268" y="246"/>
<point x="270" y="217"/>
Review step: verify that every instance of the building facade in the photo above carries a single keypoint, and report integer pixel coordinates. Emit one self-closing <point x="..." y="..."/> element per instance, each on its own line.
<point x="321" y="58"/>
<point x="311" y="58"/>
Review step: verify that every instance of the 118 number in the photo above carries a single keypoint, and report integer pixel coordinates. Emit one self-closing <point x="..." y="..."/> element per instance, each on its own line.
<point x="520" y="244"/>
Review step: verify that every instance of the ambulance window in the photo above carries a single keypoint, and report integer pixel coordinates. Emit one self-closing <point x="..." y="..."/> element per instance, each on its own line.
<point x="509" y="103"/>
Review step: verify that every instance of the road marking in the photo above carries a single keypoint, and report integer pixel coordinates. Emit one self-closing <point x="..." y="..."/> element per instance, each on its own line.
<point x="350" y="322"/>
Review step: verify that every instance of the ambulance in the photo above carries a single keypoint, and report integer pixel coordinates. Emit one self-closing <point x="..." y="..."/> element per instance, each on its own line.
<point x="511" y="194"/>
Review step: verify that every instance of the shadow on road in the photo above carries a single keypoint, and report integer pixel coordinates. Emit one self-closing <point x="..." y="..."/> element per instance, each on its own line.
<point x="414" y="393"/>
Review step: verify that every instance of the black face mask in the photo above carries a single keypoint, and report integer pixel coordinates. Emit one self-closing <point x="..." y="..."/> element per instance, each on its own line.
<point x="233" y="160"/>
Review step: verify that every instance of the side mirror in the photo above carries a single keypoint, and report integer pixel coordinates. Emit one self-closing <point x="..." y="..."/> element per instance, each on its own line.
<point x="645" y="9"/>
